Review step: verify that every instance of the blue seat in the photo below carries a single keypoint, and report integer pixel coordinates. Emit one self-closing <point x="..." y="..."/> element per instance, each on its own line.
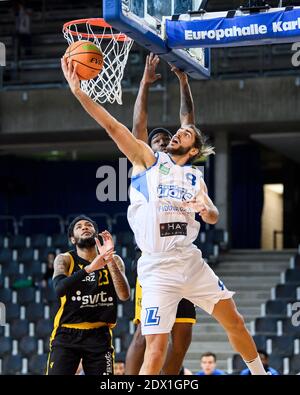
<point x="26" y="255"/>
<point x="43" y="328"/>
<point x="5" y="346"/>
<point x="5" y="295"/>
<point x="276" y="362"/>
<point x="17" y="241"/>
<point x="286" y="291"/>
<point x="283" y="346"/>
<point x="295" y="364"/>
<point x="34" y="312"/>
<point x="60" y="240"/>
<point x="266" y="326"/>
<point x="288" y="328"/>
<point x="128" y="310"/>
<point x="28" y="346"/>
<point x="276" y="308"/>
<point x="10" y="268"/>
<point x="121" y="327"/>
<point x="260" y="341"/>
<point x="19" y="329"/>
<point x="12" y="364"/>
<point x="39" y="241"/>
<point x="292" y="276"/>
<point x="26" y="296"/>
<point x="238" y="364"/>
<point x="37" y="364"/>
<point x="12" y="311"/>
<point x="6" y="256"/>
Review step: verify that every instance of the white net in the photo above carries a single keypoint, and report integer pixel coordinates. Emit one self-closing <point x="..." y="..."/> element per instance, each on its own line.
<point x="106" y="87"/>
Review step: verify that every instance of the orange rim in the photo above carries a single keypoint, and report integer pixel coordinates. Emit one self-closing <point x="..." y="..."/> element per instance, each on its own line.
<point x="99" y="22"/>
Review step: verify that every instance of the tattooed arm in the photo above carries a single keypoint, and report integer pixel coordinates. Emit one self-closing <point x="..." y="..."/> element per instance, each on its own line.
<point x="116" y="268"/>
<point x="61" y="265"/>
<point x="62" y="281"/>
<point x="187" y="111"/>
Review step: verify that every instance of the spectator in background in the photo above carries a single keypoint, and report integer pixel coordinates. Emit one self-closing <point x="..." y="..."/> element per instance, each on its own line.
<point x="265" y="361"/>
<point x="119" y="366"/>
<point x="47" y="279"/>
<point x="208" y="365"/>
<point x="23" y="38"/>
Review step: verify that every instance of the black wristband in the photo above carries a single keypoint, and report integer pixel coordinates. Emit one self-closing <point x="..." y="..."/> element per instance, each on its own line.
<point x="63" y="283"/>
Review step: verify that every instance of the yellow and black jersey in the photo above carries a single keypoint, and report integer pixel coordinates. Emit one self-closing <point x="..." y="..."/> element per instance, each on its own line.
<point x="93" y="304"/>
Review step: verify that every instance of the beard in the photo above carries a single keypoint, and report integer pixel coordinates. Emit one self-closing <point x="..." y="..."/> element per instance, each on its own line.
<point x="178" y="151"/>
<point x="86" y="242"/>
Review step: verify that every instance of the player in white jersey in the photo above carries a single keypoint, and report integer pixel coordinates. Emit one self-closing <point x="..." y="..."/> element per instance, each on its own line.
<point x="162" y="215"/>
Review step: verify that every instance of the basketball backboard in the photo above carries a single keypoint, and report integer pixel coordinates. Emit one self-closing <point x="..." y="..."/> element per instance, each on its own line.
<point x="143" y="20"/>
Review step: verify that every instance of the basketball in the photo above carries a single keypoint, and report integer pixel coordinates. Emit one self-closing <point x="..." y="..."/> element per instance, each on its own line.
<point x="88" y="58"/>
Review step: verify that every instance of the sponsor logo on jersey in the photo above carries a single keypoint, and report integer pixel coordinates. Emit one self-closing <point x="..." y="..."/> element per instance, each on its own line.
<point x="174" y="192"/>
<point x="164" y="169"/>
<point x="173" y="229"/>
<point x="100" y="299"/>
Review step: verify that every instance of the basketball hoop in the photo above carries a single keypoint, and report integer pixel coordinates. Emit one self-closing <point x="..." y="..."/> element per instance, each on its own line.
<point x="106" y="87"/>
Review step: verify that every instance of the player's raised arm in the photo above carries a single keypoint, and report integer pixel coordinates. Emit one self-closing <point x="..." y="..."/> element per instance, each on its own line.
<point x="187" y="111"/>
<point x="136" y="151"/>
<point x="140" y="113"/>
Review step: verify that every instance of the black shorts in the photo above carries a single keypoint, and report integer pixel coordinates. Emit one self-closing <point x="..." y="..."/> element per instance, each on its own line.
<point x="186" y="312"/>
<point x="69" y="346"/>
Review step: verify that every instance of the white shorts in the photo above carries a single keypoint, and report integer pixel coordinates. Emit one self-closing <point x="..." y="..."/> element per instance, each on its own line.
<point x="168" y="277"/>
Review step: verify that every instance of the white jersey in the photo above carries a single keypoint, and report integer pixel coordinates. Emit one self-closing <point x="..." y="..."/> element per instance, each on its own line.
<point x="156" y="215"/>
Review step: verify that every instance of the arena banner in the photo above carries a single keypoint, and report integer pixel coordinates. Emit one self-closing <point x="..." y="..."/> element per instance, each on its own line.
<point x="253" y="29"/>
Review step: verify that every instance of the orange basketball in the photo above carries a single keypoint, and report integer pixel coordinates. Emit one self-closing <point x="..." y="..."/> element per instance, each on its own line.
<point x="88" y="58"/>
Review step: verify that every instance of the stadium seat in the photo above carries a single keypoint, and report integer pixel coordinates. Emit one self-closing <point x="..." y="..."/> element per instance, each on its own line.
<point x="60" y="240"/>
<point x="297" y="261"/>
<point x="34" y="269"/>
<point x="276" y="308"/>
<point x="6" y="255"/>
<point x="125" y="238"/>
<point x="276" y="362"/>
<point x="5" y="295"/>
<point x="28" y="346"/>
<point x="49" y="295"/>
<point x="292" y="276"/>
<point x="283" y="346"/>
<point x="26" y="255"/>
<point x="288" y="328"/>
<point x="17" y="241"/>
<point x="43" y="253"/>
<point x="121" y="327"/>
<point x="10" y="268"/>
<point x="43" y="328"/>
<point x="125" y="341"/>
<point x="238" y="364"/>
<point x="260" y="341"/>
<point x="295" y="364"/>
<point x="5" y="346"/>
<point x="37" y="364"/>
<point x="12" y="311"/>
<point x="286" y="291"/>
<point x="19" y="328"/>
<point x="39" y="241"/>
<point x="12" y="364"/>
<point x="128" y="310"/>
<point x="26" y="295"/>
<point x="34" y="312"/>
<point x="266" y="326"/>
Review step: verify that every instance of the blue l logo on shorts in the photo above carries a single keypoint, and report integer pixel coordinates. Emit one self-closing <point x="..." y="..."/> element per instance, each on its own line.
<point x="151" y="316"/>
<point x="221" y="285"/>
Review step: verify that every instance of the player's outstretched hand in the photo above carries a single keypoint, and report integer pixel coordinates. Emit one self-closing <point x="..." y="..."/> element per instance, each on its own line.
<point x="179" y="73"/>
<point x="105" y="252"/>
<point x="70" y="74"/>
<point x="150" y="75"/>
